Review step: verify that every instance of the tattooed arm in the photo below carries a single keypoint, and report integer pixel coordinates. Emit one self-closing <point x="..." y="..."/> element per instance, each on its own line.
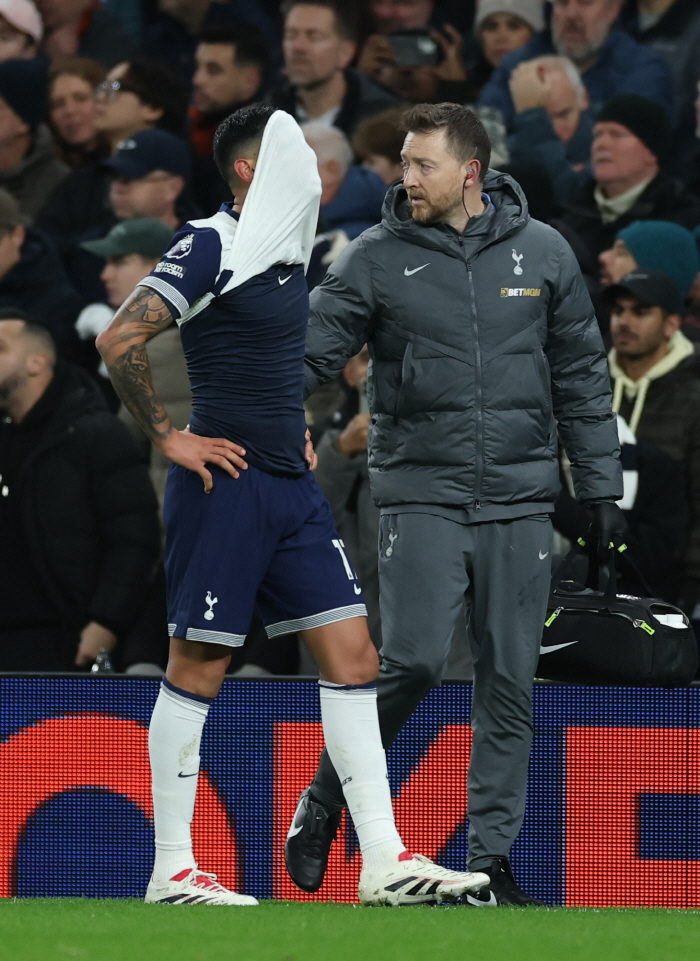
<point x="122" y="345"/>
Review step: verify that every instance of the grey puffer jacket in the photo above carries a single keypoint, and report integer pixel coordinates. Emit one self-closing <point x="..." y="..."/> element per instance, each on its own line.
<point x="479" y="343"/>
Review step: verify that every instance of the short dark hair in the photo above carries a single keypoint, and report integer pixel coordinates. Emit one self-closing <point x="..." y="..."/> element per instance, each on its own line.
<point x="382" y="135"/>
<point x="158" y="87"/>
<point x="466" y="136"/>
<point x="241" y="128"/>
<point x="251" y="47"/>
<point x="36" y="331"/>
<point x="344" y="11"/>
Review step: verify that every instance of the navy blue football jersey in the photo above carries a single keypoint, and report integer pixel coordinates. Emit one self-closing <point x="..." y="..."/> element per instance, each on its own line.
<point x="244" y="345"/>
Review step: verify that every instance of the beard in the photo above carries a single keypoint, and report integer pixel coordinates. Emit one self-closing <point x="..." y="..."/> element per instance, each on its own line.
<point x="584" y="50"/>
<point x="434" y="211"/>
<point x="7" y="388"/>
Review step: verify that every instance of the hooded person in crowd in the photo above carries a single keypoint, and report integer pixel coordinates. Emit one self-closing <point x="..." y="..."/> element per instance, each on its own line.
<point x="656" y="388"/>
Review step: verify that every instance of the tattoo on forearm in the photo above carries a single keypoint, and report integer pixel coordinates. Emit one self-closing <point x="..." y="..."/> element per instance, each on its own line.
<point x="123" y="346"/>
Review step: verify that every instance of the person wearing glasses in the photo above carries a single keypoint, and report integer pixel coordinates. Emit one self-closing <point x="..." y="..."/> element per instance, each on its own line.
<point x="135" y="95"/>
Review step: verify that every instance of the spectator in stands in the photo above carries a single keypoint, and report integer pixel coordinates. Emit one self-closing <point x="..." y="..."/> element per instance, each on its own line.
<point x="672" y="28"/>
<point x="609" y="60"/>
<point x="33" y="279"/>
<point x="630" y="141"/>
<point x="172" y="37"/>
<point x="73" y="111"/>
<point x="21" y="29"/>
<point x="78" y="515"/>
<point x="319" y="43"/>
<point x="137" y="95"/>
<point x="231" y="65"/>
<point x="552" y="126"/>
<point x="82" y="28"/>
<point x="655" y="510"/>
<point x="28" y="168"/>
<point x="148" y="177"/>
<point x="390" y="16"/>
<point x="130" y="251"/>
<point x="410" y="78"/>
<point x="652" y="245"/>
<point x="500" y="27"/>
<point x="378" y="141"/>
<point x="339" y="432"/>
<point x="352" y="196"/>
<point x="656" y="378"/>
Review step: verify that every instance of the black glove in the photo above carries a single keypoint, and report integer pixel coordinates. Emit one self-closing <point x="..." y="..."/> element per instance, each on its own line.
<point x="608" y="526"/>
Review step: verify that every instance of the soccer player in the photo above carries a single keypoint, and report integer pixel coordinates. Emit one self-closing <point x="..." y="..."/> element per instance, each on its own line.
<point x="247" y="525"/>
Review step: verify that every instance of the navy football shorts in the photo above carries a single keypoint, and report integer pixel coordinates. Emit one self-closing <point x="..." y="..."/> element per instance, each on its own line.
<point x="260" y="544"/>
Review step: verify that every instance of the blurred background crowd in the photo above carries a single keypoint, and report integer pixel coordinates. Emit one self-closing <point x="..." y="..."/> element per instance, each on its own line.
<point x="107" y="116"/>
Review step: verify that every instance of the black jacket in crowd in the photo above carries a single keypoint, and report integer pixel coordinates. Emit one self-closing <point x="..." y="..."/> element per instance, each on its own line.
<point x="40" y="286"/>
<point x="663" y="199"/>
<point x="670" y="421"/>
<point x="364" y="97"/>
<point x="89" y="516"/>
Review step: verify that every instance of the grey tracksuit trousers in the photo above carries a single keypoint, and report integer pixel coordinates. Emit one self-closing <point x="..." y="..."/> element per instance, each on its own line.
<point x="428" y="564"/>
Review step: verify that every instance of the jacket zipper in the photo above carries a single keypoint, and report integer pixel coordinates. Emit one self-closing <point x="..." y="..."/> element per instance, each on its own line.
<point x="479" y="395"/>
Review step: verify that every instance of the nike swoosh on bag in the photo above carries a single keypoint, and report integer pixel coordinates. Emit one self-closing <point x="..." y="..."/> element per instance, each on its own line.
<point x="556" y="647"/>
<point x="415" y="270"/>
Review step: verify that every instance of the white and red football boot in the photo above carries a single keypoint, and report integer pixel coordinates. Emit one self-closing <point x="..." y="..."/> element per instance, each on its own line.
<point x="193" y="886"/>
<point x="415" y="879"/>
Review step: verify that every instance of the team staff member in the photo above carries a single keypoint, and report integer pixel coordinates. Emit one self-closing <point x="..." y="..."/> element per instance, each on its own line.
<point x="481" y="334"/>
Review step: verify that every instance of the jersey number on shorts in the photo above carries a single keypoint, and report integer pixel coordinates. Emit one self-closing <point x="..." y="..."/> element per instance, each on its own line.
<point x="352" y="576"/>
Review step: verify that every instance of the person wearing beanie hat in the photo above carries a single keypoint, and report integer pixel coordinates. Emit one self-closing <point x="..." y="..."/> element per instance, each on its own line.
<point x="21" y="29"/>
<point x="652" y="245"/>
<point x="609" y="60"/>
<point x="530" y="12"/>
<point x="28" y="168"/>
<point x="500" y="27"/>
<point x="628" y="184"/>
<point x="647" y="120"/>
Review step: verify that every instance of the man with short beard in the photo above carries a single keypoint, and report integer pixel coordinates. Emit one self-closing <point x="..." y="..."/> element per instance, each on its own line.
<point x="482" y="336"/>
<point x="319" y="44"/>
<point x="610" y="61"/>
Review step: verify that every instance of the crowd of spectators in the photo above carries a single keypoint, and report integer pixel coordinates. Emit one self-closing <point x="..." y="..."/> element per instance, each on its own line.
<point x="108" y="110"/>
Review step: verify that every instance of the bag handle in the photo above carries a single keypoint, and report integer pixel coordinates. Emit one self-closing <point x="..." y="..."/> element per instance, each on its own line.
<point x="595" y="567"/>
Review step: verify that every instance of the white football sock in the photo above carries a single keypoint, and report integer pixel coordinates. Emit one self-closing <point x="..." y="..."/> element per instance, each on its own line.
<point x="174" y="736"/>
<point x="351" y="732"/>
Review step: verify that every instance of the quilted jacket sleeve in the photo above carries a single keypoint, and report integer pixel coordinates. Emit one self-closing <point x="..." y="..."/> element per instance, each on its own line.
<point x="341" y="316"/>
<point x="581" y="393"/>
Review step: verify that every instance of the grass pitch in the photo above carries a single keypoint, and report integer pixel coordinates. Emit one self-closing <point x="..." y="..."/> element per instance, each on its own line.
<point x="62" y="929"/>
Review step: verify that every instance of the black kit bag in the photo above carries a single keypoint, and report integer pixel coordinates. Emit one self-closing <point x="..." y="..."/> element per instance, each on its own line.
<point x="597" y="636"/>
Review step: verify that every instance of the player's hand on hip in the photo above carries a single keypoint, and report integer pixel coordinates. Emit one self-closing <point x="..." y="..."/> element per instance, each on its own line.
<point x="194" y="452"/>
<point x="309" y="452"/>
